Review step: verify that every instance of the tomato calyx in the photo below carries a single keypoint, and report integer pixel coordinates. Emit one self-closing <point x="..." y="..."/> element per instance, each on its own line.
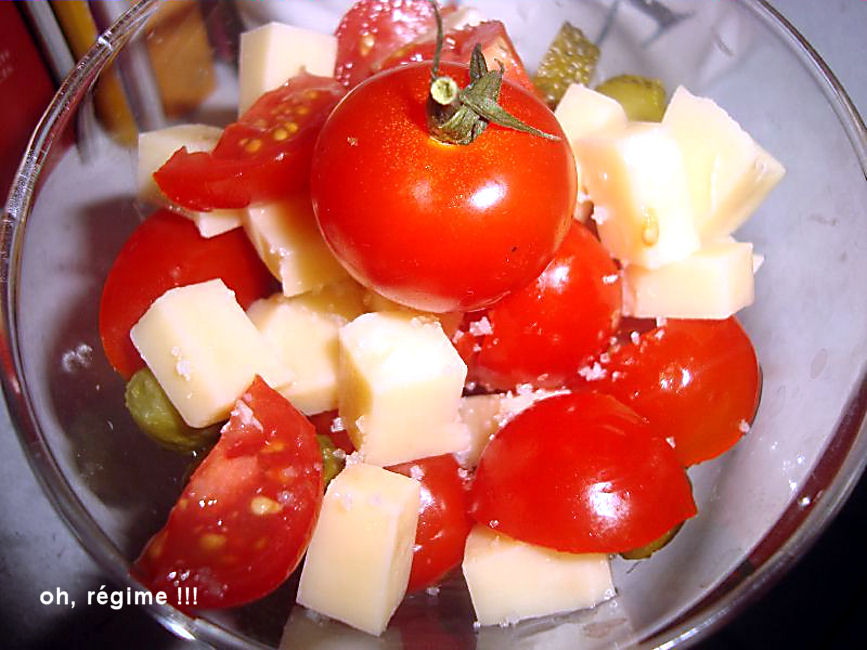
<point x="460" y="115"/>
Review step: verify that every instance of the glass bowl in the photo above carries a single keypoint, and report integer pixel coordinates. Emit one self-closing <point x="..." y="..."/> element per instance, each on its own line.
<point x="73" y="204"/>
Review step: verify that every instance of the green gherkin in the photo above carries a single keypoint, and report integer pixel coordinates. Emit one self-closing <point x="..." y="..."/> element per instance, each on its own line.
<point x="159" y="419"/>
<point x="571" y="58"/>
<point x="642" y="98"/>
<point x="333" y="459"/>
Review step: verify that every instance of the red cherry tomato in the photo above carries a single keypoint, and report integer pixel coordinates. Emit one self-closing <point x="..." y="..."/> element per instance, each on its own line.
<point x="698" y="381"/>
<point x="435" y="226"/>
<point x="263" y="156"/>
<point x="329" y="424"/>
<point x="544" y="333"/>
<point x="167" y="251"/>
<point x="580" y="473"/>
<point x="496" y="46"/>
<point x="245" y="518"/>
<point x="443" y="523"/>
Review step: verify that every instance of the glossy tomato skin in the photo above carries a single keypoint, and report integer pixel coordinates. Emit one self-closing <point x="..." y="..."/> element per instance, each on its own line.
<point x="580" y="473"/>
<point x="544" y="333"/>
<point x="245" y="518"/>
<point x="696" y="380"/>
<point x="167" y="251"/>
<point x="435" y="226"/>
<point x="264" y="156"/>
<point x="444" y="521"/>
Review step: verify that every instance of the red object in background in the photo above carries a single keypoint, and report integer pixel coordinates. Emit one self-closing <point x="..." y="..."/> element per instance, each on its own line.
<point x="26" y="86"/>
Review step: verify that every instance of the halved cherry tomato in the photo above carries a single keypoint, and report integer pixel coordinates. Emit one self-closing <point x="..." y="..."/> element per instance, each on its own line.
<point x="435" y="226"/>
<point x="581" y="473"/>
<point x="244" y="520"/>
<point x="328" y="424"/>
<point x="443" y="521"/>
<point x="491" y="35"/>
<point x="698" y="381"/>
<point x="546" y="332"/>
<point x="167" y="251"/>
<point x="263" y="156"/>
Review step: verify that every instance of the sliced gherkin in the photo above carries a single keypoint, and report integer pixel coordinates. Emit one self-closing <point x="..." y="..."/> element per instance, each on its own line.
<point x="159" y="419"/>
<point x="647" y="550"/>
<point x="333" y="459"/>
<point x="571" y="58"/>
<point x="642" y="98"/>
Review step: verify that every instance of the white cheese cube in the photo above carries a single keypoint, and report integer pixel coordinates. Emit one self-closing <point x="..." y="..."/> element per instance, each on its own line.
<point x="714" y="282"/>
<point x="728" y="174"/>
<point x="303" y="331"/>
<point x="400" y="384"/>
<point x="359" y="558"/>
<point x="510" y="580"/>
<point x="270" y="55"/>
<point x="449" y="320"/>
<point x="287" y="239"/>
<point x="204" y="351"/>
<point x="584" y="112"/>
<point x="636" y="179"/>
<point x="156" y="147"/>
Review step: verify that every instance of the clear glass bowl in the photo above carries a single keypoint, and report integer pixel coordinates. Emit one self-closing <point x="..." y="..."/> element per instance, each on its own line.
<point x="72" y="206"/>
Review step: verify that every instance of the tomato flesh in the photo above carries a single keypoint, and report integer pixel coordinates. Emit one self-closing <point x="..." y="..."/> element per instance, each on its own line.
<point x="167" y="251"/>
<point x="434" y="226"/>
<point x="697" y="380"/>
<point x="244" y="520"/>
<point x="581" y="473"/>
<point x="443" y="523"/>
<point x="546" y="332"/>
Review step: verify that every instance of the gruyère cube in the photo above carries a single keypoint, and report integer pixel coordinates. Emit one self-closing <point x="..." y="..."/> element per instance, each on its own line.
<point x="156" y="147"/>
<point x="359" y="558"/>
<point x="636" y="179"/>
<point x="583" y="112"/>
<point x="511" y="580"/>
<point x="399" y="387"/>
<point x="450" y="320"/>
<point x="728" y="174"/>
<point x="270" y="55"/>
<point x="204" y="351"/>
<point x="287" y="239"/>
<point x="303" y="331"/>
<point x="714" y="282"/>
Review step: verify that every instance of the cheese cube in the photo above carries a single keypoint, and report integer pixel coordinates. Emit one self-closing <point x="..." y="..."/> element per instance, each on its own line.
<point x="204" y="351"/>
<point x="636" y="178"/>
<point x="303" y="331"/>
<point x="584" y="112"/>
<point x="359" y="558"/>
<point x="270" y="55"/>
<point x="450" y="320"/>
<point x="715" y="282"/>
<point x="400" y="384"/>
<point x="287" y="239"/>
<point x="156" y="147"/>
<point x="728" y="174"/>
<point x="511" y="580"/>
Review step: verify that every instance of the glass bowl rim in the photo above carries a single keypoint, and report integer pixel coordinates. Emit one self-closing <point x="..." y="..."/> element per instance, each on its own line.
<point x="833" y="479"/>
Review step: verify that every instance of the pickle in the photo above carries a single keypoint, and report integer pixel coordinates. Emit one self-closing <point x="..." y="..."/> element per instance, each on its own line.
<point x="571" y="58"/>
<point x="642" y="98"/>
<point x="159" y="419"/>
<point x="333" y="459"/>
<point x="647" y="550"/>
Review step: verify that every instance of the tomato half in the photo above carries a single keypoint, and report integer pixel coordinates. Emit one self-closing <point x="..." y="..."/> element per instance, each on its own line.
<point x="328" y="423"/>
<point x="263" y="156"/>
<point x="435" y="226"/>
<point x="244" y="520"/>
<point x="698" y="381"/>
<point x="546" y="332"/>
<point x="581" y="473"/>
<point x="167" y="251"/>
<point x="443" y="521"/>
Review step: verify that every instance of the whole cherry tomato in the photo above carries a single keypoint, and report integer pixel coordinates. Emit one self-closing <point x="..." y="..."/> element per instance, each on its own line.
<point x="244" y="520"/>
<point x="581" y="473"/>
<point x="443" y="520"/>
<point x="263" y="156"/>
<point x="167" y="251"/>
<point x="546" y="332"/>
<point x="696" y="380"/>
<point x="435" y="226"/>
